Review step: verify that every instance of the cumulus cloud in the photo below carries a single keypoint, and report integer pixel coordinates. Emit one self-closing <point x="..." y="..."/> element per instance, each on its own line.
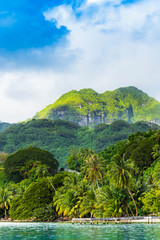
<point x="117" y="46"/>
<point x="23" y="93"/>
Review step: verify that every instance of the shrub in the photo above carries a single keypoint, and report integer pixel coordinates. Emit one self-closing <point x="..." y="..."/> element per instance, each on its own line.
<point x="37" y="195"/>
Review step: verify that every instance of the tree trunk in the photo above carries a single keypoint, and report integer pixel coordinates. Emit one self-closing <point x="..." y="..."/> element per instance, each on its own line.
<point x="98" y="185"/>
<point x="129" y="208"/>
<point x="133" y="201"/>
<point x="94" y="190"/>
<point x="5" y="213"/>
<point x="127" y="212"/>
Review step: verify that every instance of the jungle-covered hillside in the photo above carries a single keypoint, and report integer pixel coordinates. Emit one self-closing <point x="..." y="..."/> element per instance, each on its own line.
<point x="60" y="137"/>
<point x="87" y="107"/>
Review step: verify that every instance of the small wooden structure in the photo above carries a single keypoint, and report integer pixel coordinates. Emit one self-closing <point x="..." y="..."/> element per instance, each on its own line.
<point x="146" y="219"/>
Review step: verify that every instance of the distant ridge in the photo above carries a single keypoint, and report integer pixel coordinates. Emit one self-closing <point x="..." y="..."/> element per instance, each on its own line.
<point x="60" y="137"/>
<point x="4" y="126"/>
<point x="87" y="107"/>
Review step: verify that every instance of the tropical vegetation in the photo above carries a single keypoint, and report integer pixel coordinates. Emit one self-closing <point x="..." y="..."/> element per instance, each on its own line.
<point x="61" y="137"/>
<point x="122" y="180"/>
<point x="88" y="107"/>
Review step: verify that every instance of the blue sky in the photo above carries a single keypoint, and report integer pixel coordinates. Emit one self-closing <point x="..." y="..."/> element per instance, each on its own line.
<point x="23" y="25"/>
<point x="50" y="47"/>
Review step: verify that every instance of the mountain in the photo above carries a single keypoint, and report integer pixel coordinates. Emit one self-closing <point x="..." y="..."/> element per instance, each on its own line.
<point x="4" y="126"/>
<point x="87" y="107"/>
<point x="60" y="137"/>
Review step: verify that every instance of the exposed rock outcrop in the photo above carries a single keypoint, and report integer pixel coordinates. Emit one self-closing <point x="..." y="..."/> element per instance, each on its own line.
<point x="88" y="108"/>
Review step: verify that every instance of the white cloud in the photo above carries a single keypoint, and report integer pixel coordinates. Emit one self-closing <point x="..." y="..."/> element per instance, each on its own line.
<point x="107" y="47"/>
<point x="116" y="46"/>
<point x="22" y="93"/>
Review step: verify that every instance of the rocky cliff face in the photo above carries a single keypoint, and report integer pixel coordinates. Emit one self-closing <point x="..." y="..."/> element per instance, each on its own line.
<point x="156" y="121"/>
<point x="93" y="118"/>
<point x="86" y="107"/>
<point x="83" y="120"/>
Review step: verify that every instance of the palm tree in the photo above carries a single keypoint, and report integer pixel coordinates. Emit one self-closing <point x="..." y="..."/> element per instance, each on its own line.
<point x="111" y="202"/>
<point x="71" y="181"/>
<point x="40" y="170"/>
<point x="93" y="169"/>
<point x="87" y="205"/>
<point x="156" y="174"/>
<point x="65" y="202"/>
<point x="5" y="199"/>
<point x="68" y="198"/>
<point x="121" y="171"/>
<point x="156" y="151"/>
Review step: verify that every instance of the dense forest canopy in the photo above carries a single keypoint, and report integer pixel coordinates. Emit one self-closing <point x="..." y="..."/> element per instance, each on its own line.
<point x="18" y="164"/>
<point x="122" y="180"/>
<point x="61" y="137"/>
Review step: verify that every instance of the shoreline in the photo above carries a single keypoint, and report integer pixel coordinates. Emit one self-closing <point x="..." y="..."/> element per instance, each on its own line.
<point x="148" y="220"/>
<point x="127" y="220"/>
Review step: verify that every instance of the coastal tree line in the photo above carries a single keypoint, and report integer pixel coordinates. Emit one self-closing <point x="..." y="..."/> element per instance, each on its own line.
<point x="122" y="180"/>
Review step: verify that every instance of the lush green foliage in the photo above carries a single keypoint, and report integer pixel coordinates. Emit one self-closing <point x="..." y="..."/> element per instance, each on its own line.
<point x="45" y="214"/>
<point x="122" y="180"/>
<point x="3" y="178"/>
<point x="129" y="104"/>
<point x="60" y="137"/>
<point x="38" y="195"/>
<point x="140" y="148"/>
<point x="18" y="164"/>
<point x="151" y="201"/>
<point x="121" y="172"/>
<point x="76" y="159"/>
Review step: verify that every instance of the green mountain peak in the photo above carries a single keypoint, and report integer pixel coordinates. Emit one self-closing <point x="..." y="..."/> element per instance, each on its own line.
<point x="87" y="107"/>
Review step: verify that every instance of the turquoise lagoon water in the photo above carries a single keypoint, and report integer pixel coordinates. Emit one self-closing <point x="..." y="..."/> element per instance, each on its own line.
<point x="67" y="231"/>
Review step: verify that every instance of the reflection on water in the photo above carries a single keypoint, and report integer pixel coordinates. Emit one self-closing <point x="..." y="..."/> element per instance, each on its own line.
<point x="67" y="231"/>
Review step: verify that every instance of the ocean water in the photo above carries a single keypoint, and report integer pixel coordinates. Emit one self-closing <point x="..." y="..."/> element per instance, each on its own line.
<point x="67" y="231"/>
